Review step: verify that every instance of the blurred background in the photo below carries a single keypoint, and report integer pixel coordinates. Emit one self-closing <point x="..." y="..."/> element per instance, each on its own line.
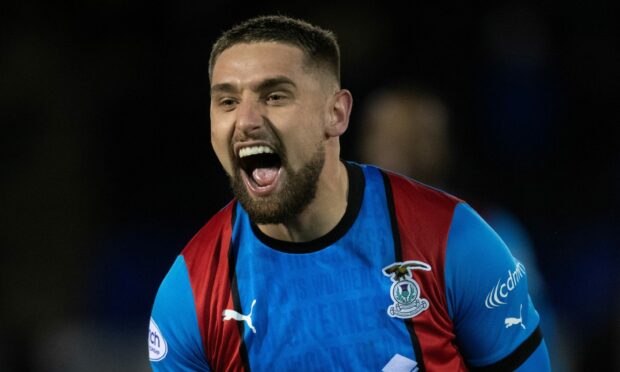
<point x="107" y="169"/>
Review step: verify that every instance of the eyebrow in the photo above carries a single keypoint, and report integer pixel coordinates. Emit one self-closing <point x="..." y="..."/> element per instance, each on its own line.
<point x="273" y="83"/>
<point x="266" y="84"/>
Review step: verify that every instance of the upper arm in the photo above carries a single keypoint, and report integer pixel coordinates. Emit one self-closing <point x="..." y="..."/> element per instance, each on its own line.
<point x="175" y="343"/>
<point x="494" y="319"/>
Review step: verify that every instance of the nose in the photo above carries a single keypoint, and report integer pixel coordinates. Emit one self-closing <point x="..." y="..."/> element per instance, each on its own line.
<point x="249" y="116"/>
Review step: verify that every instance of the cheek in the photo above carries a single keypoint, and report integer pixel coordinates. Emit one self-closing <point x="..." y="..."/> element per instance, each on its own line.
<point x="220" y="141"/>
<point x="303" y="143"/>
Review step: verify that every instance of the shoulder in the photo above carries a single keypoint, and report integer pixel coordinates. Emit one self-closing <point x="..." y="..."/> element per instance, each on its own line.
<point x="216" y="231"/>
<point x="199" y="278"/>
<point x="408" y="190"/>
<point x="487" y="294"/>
<point x="427" y="210"/>
<point x="175" y="342"/>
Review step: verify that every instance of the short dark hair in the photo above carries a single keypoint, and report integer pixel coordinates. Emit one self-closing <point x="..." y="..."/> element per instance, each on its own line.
<point x="319" y="45"/>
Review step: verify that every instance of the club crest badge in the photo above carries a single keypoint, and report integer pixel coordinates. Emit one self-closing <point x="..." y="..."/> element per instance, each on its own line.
<point x="405" y="291"/>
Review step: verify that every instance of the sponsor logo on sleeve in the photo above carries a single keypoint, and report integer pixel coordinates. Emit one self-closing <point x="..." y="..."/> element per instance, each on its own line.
<point x="158" y="348"/>
<point x="498" y="295"/>
<point x="510" y="321"/>
<point x="405" y="291"/>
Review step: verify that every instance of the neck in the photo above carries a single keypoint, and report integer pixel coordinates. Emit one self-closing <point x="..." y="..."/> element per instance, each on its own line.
<point x="323" y="213"/>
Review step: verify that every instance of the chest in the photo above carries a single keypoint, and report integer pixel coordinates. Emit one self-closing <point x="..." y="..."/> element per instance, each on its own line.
<point x="332" y="309"/>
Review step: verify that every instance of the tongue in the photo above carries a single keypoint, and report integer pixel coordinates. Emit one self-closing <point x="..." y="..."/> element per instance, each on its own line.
<point x="264" y="176"/>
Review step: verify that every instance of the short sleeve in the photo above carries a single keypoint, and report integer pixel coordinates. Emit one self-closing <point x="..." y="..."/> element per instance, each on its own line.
<point x="487" y="294"/>
<point x="174" y="338"/>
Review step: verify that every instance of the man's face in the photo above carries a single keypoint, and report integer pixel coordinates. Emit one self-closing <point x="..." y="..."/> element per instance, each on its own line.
<point x="268" y="115"/>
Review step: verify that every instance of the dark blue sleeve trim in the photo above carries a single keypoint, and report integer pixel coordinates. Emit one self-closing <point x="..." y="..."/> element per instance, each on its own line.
<point x="520" y="355"/>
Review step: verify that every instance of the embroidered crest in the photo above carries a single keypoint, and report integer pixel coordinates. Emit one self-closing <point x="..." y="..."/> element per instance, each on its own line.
<point x="405" y="291"/>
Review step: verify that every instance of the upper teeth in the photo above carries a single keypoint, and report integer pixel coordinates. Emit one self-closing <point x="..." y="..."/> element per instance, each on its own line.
<point x="254" y="150"/>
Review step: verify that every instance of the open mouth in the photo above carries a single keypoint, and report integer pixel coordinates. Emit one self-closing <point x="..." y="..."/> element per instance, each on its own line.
<point x="261" y="168"/>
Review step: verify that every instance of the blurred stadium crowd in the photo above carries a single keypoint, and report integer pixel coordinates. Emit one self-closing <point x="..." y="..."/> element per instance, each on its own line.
<point x="107" y="169"/>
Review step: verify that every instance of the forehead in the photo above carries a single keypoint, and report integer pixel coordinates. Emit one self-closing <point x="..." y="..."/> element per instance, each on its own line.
<point x="249" y="62"/>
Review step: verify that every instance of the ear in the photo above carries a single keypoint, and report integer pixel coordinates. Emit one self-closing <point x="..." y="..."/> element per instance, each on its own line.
<point x="340" y="111"/>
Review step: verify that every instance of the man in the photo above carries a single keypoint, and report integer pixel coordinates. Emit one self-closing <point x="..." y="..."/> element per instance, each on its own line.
<point x="319" y="264"/>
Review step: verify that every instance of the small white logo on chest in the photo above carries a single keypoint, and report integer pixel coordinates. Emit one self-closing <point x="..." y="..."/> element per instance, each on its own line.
<point x="399" y="363"/>
<point x="232" y="314"/>
<point x="509" y="322"/>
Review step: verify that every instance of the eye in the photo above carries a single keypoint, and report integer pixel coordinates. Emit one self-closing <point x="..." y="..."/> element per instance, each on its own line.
<point x="276" y="98"/>
<point x="227" y="103"/>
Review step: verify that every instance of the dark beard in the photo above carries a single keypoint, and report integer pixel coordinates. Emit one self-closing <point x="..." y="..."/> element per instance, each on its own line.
<point x="295" y="195"/>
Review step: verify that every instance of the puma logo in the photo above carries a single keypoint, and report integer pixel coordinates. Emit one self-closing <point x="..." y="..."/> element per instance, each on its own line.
<point x="509" y="322"/>
<point x="232" y="314"/>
